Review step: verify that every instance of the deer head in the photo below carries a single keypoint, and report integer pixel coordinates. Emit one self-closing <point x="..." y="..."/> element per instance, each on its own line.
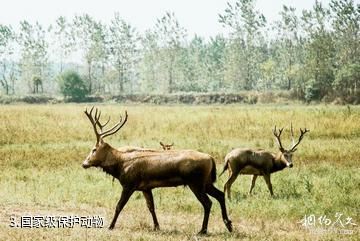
<point x="100" y="150"/>
<point x="166" y="147"/>
<point x="285" y="155"/>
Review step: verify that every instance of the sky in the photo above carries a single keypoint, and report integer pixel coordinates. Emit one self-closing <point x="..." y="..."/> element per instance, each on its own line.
<point x="197" y="16"/>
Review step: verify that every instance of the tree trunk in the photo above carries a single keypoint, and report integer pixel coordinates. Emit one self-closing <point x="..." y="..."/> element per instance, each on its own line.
<point x="13" y="85"/>
<point x="89" y="76"/>
<point x="4" y="82"/>
<point x="170" y="73"/>
<point x="102" y="84"/>
<point x="7" y="88"/>
<point x="5" y="85"/>
<point x="61" y="64"/>
<point x="170" y="81"/>
<point x="290" y="52"/>
<point x="120" y="76"/>
<point x="247" y="78"/>
<point x="289" y="78"/>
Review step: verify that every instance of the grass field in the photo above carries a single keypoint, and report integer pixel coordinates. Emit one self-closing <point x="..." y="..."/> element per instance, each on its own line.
<point x="42" y="148"/>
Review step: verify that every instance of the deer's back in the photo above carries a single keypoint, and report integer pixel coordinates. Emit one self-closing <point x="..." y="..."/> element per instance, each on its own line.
<point x="167" y="168"/>
<point x="250" y="161"/>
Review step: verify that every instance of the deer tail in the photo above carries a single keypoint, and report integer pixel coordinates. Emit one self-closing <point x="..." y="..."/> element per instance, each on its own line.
<point x="226" y="166"/>
<point x="213" y="172"/>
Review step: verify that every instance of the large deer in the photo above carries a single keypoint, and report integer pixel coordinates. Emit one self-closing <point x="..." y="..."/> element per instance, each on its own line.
<point x="145" y="169"/>
<point x="259" y="162"/>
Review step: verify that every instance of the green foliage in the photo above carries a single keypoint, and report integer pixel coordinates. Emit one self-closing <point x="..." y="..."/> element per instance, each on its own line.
<point x="8" y="67"/>
<point x="215" y="63"/>
<point x="348" y="78"/>
<point x="192" y="63"/>
<point x="72" y="86"/>
<point x="123" y="45"/>
<point x="346" y="25"/>
<point x="246" y="24"/>
<point x="268" y="70"/>
<point x="91" y="35"/>
<point x="312" y="91"/>
<point x="313" y="55"/>
<point x="34" y="53"/>
<point x="288" y="50"/>
<point x="319" y="51"/>
<point x="6" y="35"/>
<point x="63" y="41"/>
<point x="171" y="36"/>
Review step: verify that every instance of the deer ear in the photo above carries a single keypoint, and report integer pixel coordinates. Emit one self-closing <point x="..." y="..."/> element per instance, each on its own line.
<point x="161" y="143"/>
<point x="294" y="150"/>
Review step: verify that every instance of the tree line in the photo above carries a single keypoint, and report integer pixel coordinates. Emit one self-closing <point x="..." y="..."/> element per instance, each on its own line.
<point x="315" y="55"/>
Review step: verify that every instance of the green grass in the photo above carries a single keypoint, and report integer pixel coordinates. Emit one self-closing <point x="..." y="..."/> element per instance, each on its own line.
<point x="42" y="148"/>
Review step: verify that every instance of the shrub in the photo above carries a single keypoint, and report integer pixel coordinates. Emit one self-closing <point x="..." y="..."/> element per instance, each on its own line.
<point x="72" y="86"/>
<point x="347" y="78"/>
<point x="312" y="91"/>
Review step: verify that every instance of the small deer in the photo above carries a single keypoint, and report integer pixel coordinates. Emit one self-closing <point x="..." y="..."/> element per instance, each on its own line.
<point x="139" y="169"/>
<point x="166" y="147"/>
<point x="259" y="162"/>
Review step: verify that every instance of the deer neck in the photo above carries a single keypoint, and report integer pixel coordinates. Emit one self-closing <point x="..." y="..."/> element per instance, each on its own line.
<point x="278" y="164"/>
<point x="113" y="163"/>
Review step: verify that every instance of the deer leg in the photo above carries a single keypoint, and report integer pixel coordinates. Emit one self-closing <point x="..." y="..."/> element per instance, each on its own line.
<point x="253" y="183"/>
<point x="206" y="202"/>
<point x="125" y="195"/>
<point x="150" y="203"/>
<point x="228" y="184"/>
<point x="268" y="183"/>
<point x="220" y="197"/>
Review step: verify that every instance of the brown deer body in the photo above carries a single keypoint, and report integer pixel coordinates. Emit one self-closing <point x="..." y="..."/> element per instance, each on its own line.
<point x="258" y="162"/>
<point x="145" y="169"/>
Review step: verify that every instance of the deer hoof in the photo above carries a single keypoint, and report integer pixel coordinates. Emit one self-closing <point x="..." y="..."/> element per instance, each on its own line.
<point x="202" y="232"/>
<point x="228" y="225"/>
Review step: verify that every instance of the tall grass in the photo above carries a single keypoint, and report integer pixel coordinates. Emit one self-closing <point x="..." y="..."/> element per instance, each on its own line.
<point x="42" y="147"/>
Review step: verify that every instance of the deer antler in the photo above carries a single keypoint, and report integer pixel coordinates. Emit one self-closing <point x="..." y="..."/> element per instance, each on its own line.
<point x="96" y="121"/>
<point x="102" y="125"/>
<point x="302" y="133"/>
<point x="277" y="135"/>
<point x="116" y="127"/>
<point x="93" y="121"/>
<point x="166" y="146"/>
